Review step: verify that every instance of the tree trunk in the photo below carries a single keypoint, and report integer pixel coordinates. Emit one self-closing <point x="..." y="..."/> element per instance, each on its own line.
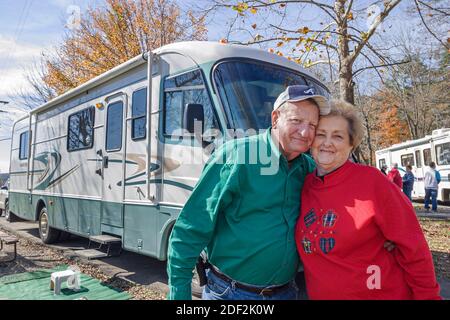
<point x="346" y="90"/>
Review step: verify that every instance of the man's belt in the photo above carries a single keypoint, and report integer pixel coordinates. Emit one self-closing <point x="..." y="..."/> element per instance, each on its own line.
<point x="272" y="290"/>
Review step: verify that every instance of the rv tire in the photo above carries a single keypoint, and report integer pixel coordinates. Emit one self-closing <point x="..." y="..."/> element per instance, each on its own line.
<point x="48" y="234"/>
<point x="9" y="216"/>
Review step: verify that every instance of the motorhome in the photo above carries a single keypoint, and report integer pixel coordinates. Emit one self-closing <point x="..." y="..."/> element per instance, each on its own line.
<point x="419" y="153"/>
<point x="118" y="156"/>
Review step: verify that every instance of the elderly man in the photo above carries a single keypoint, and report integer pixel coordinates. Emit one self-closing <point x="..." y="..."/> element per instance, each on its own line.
<point x="244" y="215"/>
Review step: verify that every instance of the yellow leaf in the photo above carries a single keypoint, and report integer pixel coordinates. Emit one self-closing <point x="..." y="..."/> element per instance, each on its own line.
<point x="364" y="35"/>
<point x="271" y="50"/>
<point x="279" y="44"/>
<point x="253" y="10"/>
<point x="304" y="30"/>
<point x="350" y="16"/>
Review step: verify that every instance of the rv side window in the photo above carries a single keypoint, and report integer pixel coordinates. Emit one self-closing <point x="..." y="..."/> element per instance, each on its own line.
<point x="180" y="91"/>
<point x="382" y="163"/>
<point x="418" y="159"/>
<point x="81" y="130"/>
<point x="23" y="148"/>
<point x="114" y="126"/>
<point x="426" y="157"/>
<point x="443" y="154"/>
<point x="138" y="113"/>
<point x="407" y="159"/>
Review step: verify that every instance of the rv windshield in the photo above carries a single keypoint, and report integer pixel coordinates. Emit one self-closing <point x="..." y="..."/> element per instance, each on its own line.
<point x="249" y="89"/>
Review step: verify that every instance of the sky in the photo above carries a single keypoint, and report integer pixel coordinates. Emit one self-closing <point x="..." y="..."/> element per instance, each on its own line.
<point x="29" y="28"/>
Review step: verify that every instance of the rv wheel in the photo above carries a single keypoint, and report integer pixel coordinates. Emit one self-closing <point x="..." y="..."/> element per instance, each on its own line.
<point x="48" y="234"/>
<point x="10" y="217"/>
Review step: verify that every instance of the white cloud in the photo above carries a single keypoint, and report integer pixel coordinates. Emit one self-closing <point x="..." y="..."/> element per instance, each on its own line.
<point x="15" y="58"/>
<point x="62" y="3"/>
<point x="13" y="50"/>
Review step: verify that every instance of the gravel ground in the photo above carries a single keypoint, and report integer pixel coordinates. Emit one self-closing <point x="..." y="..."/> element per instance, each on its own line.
<point x="437" y="233"/>
<point x="419" y="206"/>
<point x="31" y="257"/>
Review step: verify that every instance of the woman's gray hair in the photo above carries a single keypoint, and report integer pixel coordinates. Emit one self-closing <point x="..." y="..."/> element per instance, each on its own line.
<point x="348" y="112"/>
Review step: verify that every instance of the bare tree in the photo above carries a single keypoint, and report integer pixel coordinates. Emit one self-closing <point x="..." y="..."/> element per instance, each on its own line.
<point x="343" y="37"/>
<point x="39" y="92"/>
<point x="420" y="88"/>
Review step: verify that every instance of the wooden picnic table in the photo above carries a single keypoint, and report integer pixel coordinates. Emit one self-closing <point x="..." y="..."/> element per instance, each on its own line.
<point x="6" y="239"/>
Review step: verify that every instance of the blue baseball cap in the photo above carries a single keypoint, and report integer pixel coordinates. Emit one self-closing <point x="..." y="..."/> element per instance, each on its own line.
<point x="297" y="93"/>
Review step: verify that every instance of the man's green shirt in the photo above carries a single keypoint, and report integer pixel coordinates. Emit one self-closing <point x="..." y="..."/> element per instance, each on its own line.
<point x="243" y="212"/>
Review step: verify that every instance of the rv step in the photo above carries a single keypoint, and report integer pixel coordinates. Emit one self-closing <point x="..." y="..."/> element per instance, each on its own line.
<point x="91" y="254"/>
<point x="105" y="239"/>
<point x="113" y="244"/>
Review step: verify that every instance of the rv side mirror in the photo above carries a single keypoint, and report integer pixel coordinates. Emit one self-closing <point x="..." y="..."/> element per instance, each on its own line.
<point x="4" y="188"/>
<point x="193" y="115"/>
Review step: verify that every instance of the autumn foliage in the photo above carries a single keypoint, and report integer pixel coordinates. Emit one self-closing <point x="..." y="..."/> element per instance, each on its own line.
<point x="110" y="35"/>
<point x="392" y="129"/>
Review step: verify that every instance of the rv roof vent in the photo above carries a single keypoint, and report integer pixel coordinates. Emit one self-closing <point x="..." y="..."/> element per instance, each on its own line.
<point x="440" y="131"/>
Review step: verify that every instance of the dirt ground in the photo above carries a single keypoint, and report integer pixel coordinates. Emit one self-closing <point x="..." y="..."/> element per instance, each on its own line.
<point x="437" y="233"/>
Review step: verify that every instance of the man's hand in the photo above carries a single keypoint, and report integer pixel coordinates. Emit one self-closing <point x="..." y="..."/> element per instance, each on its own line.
<point x="389" y="245"/>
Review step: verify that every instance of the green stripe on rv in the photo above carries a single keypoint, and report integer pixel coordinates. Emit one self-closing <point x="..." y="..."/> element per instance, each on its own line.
<point x="144" y="227"/>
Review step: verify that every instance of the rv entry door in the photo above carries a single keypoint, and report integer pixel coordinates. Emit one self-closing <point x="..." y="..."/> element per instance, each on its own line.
<point x="113" y="161"/>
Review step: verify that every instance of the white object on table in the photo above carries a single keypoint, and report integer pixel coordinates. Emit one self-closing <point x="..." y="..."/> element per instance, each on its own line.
<point x="57" y="278"/>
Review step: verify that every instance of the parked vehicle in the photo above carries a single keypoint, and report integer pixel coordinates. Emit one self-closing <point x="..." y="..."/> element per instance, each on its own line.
<point x="4" y="200"/>
<point x="119" y="156"/>
<point x="419" y="153"/>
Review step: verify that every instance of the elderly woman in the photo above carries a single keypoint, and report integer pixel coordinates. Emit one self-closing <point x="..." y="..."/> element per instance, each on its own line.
<point x="348" y="212"/>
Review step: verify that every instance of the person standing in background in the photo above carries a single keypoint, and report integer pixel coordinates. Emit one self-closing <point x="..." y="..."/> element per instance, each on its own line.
<point x="408" y="182"/>
<point x="431" y="179"/>
<point x="394" y="175"/>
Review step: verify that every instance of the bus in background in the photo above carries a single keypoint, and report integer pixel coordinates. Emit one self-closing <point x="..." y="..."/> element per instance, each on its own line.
<point x="419" y="153"/>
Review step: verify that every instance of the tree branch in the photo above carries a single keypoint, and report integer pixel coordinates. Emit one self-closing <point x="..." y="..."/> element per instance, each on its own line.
<point x="434" y="9"/>
<point x="373" y="28"/>
<point x="428" y="28"/>
<point x="379" y="66"/>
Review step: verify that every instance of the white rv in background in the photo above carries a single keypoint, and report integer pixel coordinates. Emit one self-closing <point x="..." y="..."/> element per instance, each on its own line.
<point x="419" y="153"/>
<point x="111" y="160"/>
